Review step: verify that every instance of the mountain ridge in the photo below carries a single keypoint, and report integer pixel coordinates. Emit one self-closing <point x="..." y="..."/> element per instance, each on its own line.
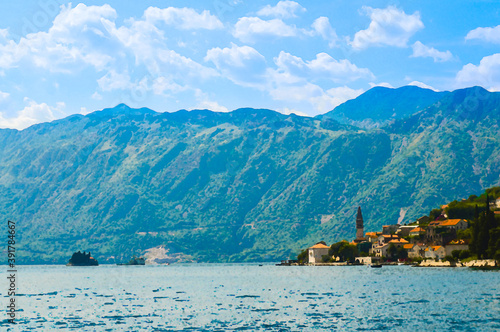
<point x="247" y="185"/>
<point x="383" y="106"/>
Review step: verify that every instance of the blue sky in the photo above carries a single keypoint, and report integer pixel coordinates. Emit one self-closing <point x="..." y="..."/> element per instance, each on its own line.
<point x="59" y="58"/>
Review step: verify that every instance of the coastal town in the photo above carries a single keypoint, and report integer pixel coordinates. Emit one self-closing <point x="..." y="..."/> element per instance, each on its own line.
<point x="439" y="241"/>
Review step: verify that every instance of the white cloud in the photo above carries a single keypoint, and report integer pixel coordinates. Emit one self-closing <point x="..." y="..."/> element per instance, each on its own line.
<point x="486" y="74"/>
<point x="212" y="106"/>
<point x="243" y="65"/>
<point x="165" y="86"/>
<point x="10" y="53"/>
<point x="183" y="18"/>
<point x="31" y="114"/>
<point x="68" y="44"/>
<point x="80" y="16"/>
<point x="283" y="9"/>
<point x="421" y="50"/>
<point x="334" y="97"/>
<point x="491" y="35"/>
<point x="383" y="84"/>
<point x="390" y="26"/>
<point x="88" y="36"/>
<point x="291" y="79"/>
<point x="287" y="111"/>
<point x="423" y="85"/>
<point x="323" y="28"/>
<point x="323" y="67"/>
<point x="296" y="93"/>
<point x="96" y="96"/>
<point x="147" y="44"/>
<point x="204" y="102"/>
<point x="247" y="28"/>
<point x="4" y="96"/>
<point x="322" y="101"/>
<point x="181" y="67"/>
<point x="114" y="81"/>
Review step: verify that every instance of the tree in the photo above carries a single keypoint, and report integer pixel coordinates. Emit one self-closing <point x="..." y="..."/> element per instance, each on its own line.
<point x="303" y="257"/>
<point x="464" y="254"/>
<point x="345" y="251"/>
<point x="449" y="258"/>
<point x="484" y="236"/>
<point x="392" y="251"/>
<point x="493" y="250"/>
<point x="434" y="214"/>
<point x="474" y="247"/>
<point x="464" y="234"/>
<point x="402" y="253"/>
<point x="348" y="252"/>
<point x="334" y="248"/>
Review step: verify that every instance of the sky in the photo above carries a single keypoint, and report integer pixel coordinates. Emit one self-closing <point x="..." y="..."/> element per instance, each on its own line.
<point x="59" y="58"/>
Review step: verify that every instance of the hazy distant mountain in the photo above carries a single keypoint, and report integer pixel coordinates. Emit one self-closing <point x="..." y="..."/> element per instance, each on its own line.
<point x="380" y="106"/>
<point x="249" y="185"/>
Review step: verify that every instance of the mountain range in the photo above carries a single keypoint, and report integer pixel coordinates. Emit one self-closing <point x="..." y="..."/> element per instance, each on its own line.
<point x="247" y="185"/>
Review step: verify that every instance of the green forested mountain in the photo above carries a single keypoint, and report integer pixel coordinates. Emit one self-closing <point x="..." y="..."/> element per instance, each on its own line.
<point x="249" y="185"/>
<point x="380" y="106"/>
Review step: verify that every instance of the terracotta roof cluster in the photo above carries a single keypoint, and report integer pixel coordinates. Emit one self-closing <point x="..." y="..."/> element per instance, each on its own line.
<point x="417" y="230"/>
<point x="390" y="236"/>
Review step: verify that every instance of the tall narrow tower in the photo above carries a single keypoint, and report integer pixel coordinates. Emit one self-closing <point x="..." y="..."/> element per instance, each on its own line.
<point x="359" y="226"/>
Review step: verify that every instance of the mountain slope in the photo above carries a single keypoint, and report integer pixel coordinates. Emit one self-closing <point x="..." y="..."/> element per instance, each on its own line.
<point x="246" y="185"/>
<point x="380" y="106"/>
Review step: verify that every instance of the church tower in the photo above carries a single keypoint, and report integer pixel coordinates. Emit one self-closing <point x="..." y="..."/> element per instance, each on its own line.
<point x="360" y="235"/>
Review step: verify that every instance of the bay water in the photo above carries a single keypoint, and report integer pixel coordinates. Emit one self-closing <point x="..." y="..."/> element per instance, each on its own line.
<point x="236" y="297"/>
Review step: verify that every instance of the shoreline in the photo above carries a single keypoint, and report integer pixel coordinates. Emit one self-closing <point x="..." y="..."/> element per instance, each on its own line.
<point x="483" y="263"/>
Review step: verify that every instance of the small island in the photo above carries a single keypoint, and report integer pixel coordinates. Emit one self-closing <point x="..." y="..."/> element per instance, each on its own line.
<point x="135" y="261"/>
<point x="82" y="259"/>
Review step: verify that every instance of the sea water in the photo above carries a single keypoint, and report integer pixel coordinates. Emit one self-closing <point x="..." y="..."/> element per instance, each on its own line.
<point x="235" y="297"/>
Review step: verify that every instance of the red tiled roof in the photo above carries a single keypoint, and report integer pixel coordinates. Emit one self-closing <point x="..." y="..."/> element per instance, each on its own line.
<point x="451" y="222"/>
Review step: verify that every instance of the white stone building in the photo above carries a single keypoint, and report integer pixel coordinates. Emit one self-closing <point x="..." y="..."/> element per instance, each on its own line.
<point x="316" y="252"/>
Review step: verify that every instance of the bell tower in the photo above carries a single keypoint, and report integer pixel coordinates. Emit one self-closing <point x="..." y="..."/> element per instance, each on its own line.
<point x="360" y="234"/>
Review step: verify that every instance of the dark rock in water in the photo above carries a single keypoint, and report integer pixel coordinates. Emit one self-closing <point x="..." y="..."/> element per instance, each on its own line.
<point x="82" y="259"/>
<point x="136" y="261"/>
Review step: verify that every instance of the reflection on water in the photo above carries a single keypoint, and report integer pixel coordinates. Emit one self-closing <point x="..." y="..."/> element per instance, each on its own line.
<point x="222" y="297"/>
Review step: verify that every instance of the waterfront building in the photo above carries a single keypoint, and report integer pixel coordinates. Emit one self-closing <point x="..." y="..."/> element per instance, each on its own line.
<point x="435" y="252"/>
<point x="316" y="252"/>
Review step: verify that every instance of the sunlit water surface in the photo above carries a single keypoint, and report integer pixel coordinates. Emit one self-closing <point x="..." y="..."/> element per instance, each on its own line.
<point x="225" y="297"/>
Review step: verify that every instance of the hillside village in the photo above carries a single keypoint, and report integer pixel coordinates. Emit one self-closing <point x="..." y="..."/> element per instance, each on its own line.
<point x="434" y="238"/>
